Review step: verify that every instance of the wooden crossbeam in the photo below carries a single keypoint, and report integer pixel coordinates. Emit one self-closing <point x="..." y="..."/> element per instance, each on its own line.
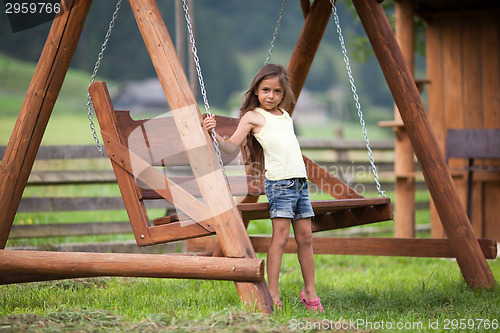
<point x="396" y="247"/>
<point x="371" y="246"/>
<point x="26" y="266"/>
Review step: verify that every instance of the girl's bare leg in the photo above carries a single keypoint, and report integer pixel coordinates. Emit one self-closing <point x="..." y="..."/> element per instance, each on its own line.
<point x="303" y="237"/>
<point x="281" y="232"/>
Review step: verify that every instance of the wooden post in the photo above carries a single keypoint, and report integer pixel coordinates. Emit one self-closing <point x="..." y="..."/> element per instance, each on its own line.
<point x="193" y="77"/>
<point x="198" y="145"/>
<point x="469" y="256"/>
<point x="307" y="44"/>
<point x="180" y="42"/>
<point x="404" y="164"/>
<point x="435" y="103"/>
<point x="37" y="107"/>
<point x="56" y="265"/>
<point x="180" y="33"/>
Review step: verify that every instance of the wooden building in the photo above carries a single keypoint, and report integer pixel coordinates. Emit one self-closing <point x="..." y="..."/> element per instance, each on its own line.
<point x="463" y="87"/>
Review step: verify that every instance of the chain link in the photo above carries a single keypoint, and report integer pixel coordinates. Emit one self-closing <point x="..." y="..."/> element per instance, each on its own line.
<point x="356" y="99"/>
<point x="94" y="74"/>
<point x="275" y="35"/>
<point x="201" y="82"/>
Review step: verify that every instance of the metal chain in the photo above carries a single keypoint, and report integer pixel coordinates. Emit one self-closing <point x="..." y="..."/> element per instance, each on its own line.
<point x="94" y="74"/>
<point x="275" y="35"/>
<point x="356" y="99"/>
<point x="201" y="81"/>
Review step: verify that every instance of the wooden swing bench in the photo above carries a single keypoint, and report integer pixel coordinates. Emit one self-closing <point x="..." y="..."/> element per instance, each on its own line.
<point x="141" y="151"/>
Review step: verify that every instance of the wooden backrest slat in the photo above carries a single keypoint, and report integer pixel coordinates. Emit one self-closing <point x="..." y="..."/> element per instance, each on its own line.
<point x="239" y="185"/>
<point x="158" y="142"/>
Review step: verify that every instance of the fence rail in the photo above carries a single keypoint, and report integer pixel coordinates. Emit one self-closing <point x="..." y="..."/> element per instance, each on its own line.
<point x="99" y="176"/>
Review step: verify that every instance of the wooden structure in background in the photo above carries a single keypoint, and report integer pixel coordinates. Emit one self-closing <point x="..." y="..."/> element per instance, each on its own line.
<point x="404" y="163"/>
<point x="227" y="223"/>
<point x="469" y="256"/>
<point x="463" y="71"/>
<point x="463" y="66"/>
<point x="472" y="145"/>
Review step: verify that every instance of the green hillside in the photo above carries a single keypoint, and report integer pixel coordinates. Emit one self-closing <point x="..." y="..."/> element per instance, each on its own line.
<point x="68" y="123"/>
<point x="15" y="78"/>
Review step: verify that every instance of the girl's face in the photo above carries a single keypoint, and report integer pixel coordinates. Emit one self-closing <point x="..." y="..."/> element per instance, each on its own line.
<point x="270" y="93"/>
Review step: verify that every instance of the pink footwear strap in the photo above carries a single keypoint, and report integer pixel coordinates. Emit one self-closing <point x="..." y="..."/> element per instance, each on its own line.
<point x="313" y="302"/>
<point x="277" y="304"/>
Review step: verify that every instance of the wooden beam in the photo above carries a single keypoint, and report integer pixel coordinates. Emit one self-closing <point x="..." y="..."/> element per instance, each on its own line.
<point x="306" y="7"/>
<point x="129" y="190"/>
<point x="307" y="44"/>
<point x="69" y="229"/>
<point x="404" y="164"/>
<point x="328" y="182"/>
<point x="56" y="265"/>
<point x="37" y="107"/>
<point x="260" y="210"/>
<point x="373" y="246"/>
<point x="396" y="247"/>
<point x="435" y="99"/>
<point x="198" y="146"/>
<point x="466" y="248"/>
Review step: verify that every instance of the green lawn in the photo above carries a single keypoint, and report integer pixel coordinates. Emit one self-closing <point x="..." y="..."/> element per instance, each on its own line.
<point x="357" y="292"/>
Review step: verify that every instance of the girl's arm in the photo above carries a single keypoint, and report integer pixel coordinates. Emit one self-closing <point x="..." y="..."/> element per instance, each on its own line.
<point x="245" y="126"/>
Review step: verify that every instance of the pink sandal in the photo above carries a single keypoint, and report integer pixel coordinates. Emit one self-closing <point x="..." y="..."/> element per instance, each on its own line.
<point x="314" y="305"/>
<point x="277" y="305"/>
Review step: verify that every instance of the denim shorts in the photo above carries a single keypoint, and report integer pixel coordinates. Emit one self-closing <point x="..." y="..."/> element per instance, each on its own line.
<point x="288" y="198"/>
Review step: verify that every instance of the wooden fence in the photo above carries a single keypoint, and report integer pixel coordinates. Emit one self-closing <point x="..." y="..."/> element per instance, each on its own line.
<point x="348" y="159"/>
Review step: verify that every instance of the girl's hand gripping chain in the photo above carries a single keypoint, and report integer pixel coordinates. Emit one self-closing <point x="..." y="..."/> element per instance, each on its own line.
<point x="209" y="122"/>
<point x="226" y="146"/>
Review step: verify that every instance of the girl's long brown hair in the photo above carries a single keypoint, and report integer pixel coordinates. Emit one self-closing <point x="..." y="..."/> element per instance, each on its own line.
<point x="254" y="154"/>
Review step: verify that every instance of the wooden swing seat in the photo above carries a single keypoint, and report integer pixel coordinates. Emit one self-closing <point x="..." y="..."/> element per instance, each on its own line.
<point x="143" y="153"/>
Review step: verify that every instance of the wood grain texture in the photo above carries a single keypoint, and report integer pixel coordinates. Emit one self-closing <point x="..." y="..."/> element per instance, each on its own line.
<point x="128" y="187"/>
<point x="85" y="264"/>
<point x="435" y="102"/>
<point x="307" y="44"/>
<point x="372" y="246"/>
<point x="404" y="164"/>
<point x="396" y="247"/>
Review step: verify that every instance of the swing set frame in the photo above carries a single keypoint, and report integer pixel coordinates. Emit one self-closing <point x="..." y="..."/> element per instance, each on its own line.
<point x="25" y="266"/>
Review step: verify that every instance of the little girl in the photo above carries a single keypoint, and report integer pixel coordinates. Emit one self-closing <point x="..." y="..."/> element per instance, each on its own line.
<point x="266" y="131"/>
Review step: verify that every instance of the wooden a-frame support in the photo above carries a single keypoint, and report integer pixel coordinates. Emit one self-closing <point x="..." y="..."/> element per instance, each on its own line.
<point x="54" y="62"/>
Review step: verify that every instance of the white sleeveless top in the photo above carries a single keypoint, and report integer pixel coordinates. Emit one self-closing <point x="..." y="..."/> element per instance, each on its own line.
<point x="282" y="155"/>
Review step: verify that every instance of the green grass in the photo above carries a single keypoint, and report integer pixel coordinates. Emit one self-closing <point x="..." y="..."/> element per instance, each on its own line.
<point x="372" y="289"/>
<point x="68" y="123"/>
<point x="16" y="76"/>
